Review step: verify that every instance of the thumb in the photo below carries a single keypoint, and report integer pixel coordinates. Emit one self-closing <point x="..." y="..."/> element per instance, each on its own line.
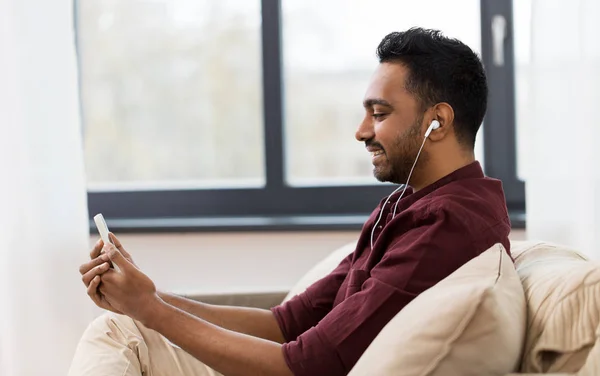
<point x="118" y="244"/>
<point x="117" y="258"/>
<point x="113" y="238"/>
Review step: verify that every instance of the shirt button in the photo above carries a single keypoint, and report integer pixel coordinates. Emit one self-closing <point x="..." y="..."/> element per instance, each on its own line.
<point x="380" y="227"/>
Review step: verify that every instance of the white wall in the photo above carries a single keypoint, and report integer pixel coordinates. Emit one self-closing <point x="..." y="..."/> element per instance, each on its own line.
<point x="207" y="263"/>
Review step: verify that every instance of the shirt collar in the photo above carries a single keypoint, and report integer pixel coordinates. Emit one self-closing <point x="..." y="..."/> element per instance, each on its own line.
<point x="471" y="171"/>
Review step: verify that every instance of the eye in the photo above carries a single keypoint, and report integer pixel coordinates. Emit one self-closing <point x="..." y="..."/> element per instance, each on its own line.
<point x="379" y="115"/>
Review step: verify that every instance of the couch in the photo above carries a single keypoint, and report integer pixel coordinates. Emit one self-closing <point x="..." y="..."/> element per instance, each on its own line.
<point x="540" y="315"/>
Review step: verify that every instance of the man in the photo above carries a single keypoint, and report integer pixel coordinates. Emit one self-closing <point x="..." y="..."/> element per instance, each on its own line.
<point x="423" y="107"/>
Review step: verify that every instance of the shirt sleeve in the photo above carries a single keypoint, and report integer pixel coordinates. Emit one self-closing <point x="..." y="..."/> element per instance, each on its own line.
<point x="305" y="310"/>
<point x="412" y="263"/>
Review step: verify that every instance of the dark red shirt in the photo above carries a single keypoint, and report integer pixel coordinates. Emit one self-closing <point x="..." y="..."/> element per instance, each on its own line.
<point x="435" y="231"/>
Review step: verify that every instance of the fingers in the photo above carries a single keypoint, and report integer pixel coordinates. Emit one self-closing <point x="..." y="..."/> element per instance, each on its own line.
<point x="92" y="291"/>
<point x="95" y="290"/>
<point x="118" y="259"/>
<point x="105" y="301"/>
<point x="109" y="281"/>
<point x="118" y="244"/>
<point x="95" y="271"/>
<point x="95" y="252"/>
<point x="109" y="278"/>
<point x="115" y="241"/>
<point x="93" y="263"/>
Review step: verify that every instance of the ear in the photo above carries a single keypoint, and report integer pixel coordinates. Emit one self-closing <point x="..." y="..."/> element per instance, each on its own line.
<point x="444" y="113"/>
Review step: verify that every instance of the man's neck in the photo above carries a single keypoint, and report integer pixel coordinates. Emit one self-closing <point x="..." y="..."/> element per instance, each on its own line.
<point x="436" y="170"/>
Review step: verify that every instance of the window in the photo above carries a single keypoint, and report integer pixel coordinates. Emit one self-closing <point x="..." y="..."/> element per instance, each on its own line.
<point x="171" y="93"/>
<point x="498" y="41"/>
<point x="210" y="114"/>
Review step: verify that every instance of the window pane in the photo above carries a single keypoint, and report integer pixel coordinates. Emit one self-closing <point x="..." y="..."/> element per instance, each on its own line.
<point x="522" y="42"/>
<point x="328" y="62"/>
<point x="171" y="93"/>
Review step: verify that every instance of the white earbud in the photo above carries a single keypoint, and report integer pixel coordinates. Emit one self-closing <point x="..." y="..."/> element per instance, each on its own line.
<point x="434" y="125"/>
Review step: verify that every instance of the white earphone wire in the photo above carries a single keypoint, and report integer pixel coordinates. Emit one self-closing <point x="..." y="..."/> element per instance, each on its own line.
<point x="409" y="175"/>
<point x="381" y="212"/>
<point x="397" y="189"/>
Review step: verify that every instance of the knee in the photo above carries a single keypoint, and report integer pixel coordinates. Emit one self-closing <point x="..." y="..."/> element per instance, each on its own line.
<point x="110" y="345"/>
<point x="109" y="319"/>
<point x="114" y="325"/>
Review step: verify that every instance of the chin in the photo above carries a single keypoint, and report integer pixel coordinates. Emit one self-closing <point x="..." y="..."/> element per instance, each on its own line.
<point x="386" y="176"/>
<point x="382" y="176"/>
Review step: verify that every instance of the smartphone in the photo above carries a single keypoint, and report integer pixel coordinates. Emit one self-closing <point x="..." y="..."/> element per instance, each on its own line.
<point x="103" y="230"/>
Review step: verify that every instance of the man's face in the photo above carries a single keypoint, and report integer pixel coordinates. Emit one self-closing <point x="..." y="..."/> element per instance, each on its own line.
<point x="391" y="129"/>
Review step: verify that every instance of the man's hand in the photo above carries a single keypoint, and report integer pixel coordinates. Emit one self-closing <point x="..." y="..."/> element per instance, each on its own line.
<point x="129" y="290"/>
<point x="100" y="264"/>
<point x="119" y="246"/>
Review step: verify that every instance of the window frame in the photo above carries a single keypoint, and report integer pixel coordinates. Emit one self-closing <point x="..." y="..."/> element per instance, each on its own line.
<point x="499" y="132"/>
<point x="278" y="206"/>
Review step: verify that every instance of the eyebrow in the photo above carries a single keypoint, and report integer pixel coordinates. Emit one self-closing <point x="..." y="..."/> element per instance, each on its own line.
<point x="370" y="102"/>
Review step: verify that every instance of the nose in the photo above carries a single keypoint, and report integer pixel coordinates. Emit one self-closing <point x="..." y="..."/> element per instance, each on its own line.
<point x="365" y="130"/>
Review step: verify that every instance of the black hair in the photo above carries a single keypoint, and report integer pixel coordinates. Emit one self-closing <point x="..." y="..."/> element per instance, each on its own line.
<point x="441" y="69"/>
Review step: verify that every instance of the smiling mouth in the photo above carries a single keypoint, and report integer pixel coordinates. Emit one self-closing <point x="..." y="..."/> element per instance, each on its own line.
<point x="376" y="153"/>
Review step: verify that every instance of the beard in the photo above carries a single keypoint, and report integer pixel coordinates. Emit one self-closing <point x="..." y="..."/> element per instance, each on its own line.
<point x="401" y="157"/>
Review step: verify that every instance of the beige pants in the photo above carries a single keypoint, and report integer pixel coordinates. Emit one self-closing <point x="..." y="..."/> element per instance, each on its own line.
<point x="115" y="345"/>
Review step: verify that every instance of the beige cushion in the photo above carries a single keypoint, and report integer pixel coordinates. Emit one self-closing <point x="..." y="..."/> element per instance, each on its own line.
<point x="563" y="301"/>
<point x="321" y="270"/>
<point x="592" y="363"/>
<point x="471" y="323"/>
